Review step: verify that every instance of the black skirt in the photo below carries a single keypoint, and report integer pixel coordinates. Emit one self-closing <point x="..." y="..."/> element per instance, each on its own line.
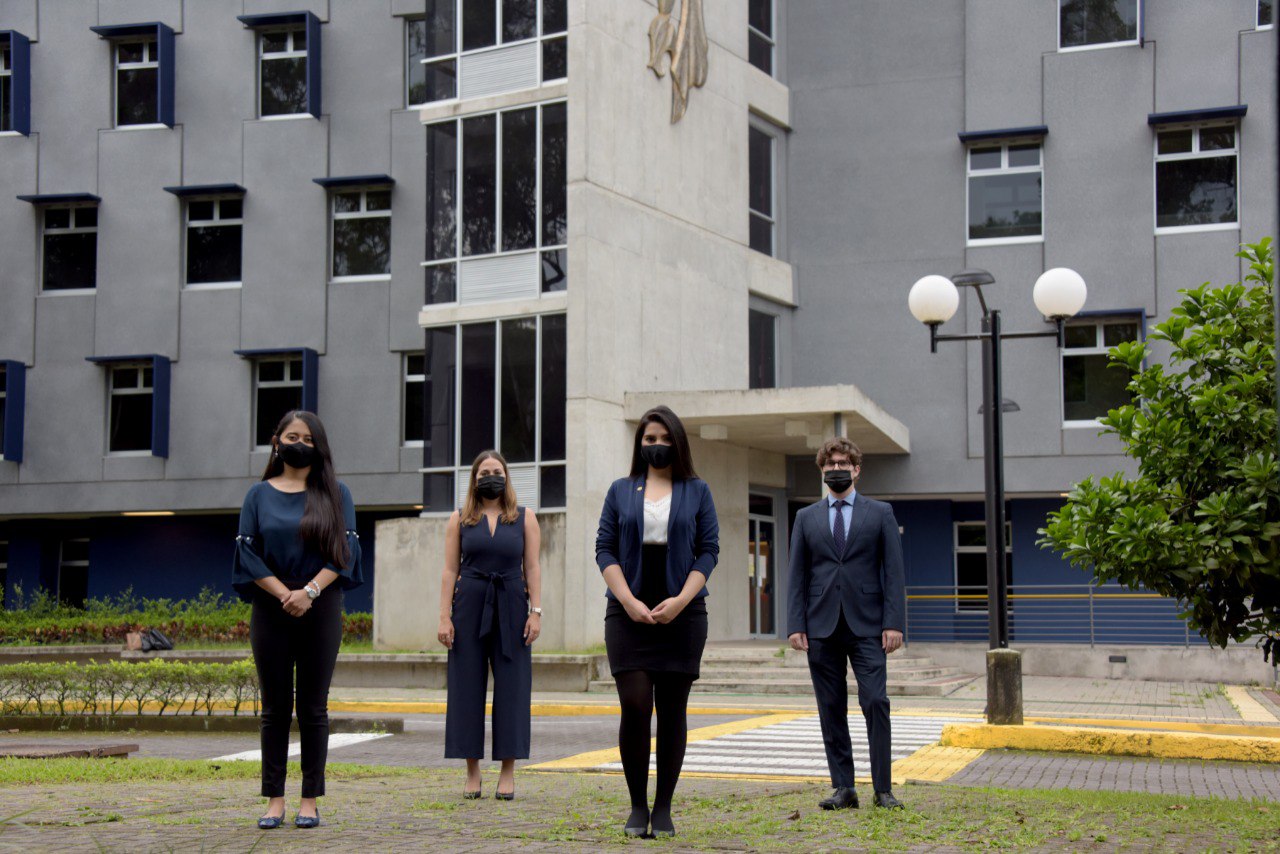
<point x="674" y="647"/>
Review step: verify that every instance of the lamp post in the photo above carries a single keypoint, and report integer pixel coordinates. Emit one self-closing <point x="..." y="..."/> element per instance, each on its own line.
<point x="1059" y="293"/>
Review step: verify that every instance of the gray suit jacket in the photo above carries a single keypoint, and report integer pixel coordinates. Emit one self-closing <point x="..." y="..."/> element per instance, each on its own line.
<point x="867" y="582"/>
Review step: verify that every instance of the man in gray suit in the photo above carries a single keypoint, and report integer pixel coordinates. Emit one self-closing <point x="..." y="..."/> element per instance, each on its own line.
<point x="847" y="602"/>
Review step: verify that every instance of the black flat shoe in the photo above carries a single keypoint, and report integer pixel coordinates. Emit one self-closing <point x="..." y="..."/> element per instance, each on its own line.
<point x="888" y="801"/>
<point x="307" y="821"/>
<point x="270" y="822"/>
<point x="845" y="798"/>
<point x="637" y="824"/>
<point x="660" y="825"/>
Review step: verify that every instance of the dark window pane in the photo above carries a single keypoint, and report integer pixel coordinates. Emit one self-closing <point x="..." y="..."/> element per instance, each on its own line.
<point x="273" y="403"/>
<point x="475" y="427"/>
<point x="551" y="491"/>
<point x="284" y="86"/>
<point x="479" y="24"/>
<point x="415" y="364"/>
<point x="760" y="52"/>
<point x="346" y="202"/>
<point x="70" y="261"/>
<point x="275" y="42"/>
<point x="553" y="387"/>
<point x="555" y="271"/>
<point x="362" y="246"/>
<point x="1264" y="13"/>
<point x="442" y="177"/>
<point x="86" y="217"/>
<point x="437" y="28"/>
<point x="231" y="208"/>
<point x="1119" y="333"/>
<point x="1024" y="155"/>
<point x="75" y="551"/>
<point x="429" y="37"/>
<point x="437" y="492"/>
<point x="377" y="200"/>
<point x="519" y="179"/>
<point x="555" y="59"/>
<point x="130" y="422"/>
<point x="984" y="158"/>
<point x="57" y="218"/>
<point x="760" y="168"/>
<point x="147" y="378"/>
<point x="479" y="172"/>
<point x="1174" y="141"/>
<point x="761" y="238"/>
<point x="137" y="95"/>
<point x="200" y="210"/>
<point x="760" y="505"/>
<point x="555" y="17"/>
<point x="129" y="52"/>
<point x="519" y="389"/>
<point x="441" y="363"/>
<point x="1081" y="336"/>
<point x="1004" y="205"/>
<point x="73" y="584"/>
<point x="555" y="175"/>
<point x="1196" y="192"/>
<point x="6" y="103"/>
<point x="271" y="371"/>
<point x="1215" y="139"/>
<point x="213" y="254"/>
<point x="294" y="368"/>
<point x="124" y="378"/>
<point x="519" y="19"/>
<point x="760" y="15"/>
<point x="435" y="81"/>
<point x="762" y="349"/>
<point x="414" y="410"/>
<point x="299" y="39"/>
<point x="1086" y="22"/>
<point x="1091" y="387"/>
<point x="441" y="284"/>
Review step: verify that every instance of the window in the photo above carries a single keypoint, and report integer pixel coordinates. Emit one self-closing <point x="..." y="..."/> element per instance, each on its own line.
<point x="137" y="82"/>
<point x="131" y="392"/>
<point x="762" y="349"/>
<point x="1264" y="14"/>
<point x="1097" y="23"/>
<point x="277" y="389"/>
<point x="437" y="42"/>
<point x="6" y="88"/>
<point x="13" y="392"/>
<point x="509" y="171"/>
<point x="15" y="82"/>
<point x="362" y="234"/>
<point x="415" y="384"/>
<point x="1005" y="192"/>
<point x="760" y="39"/>
<point x="4" y="400"/>
<point x="70" y="248"/>
<point x="73" y="573"/>
<point x="1196" y="177"/>
<point x="1090" y="385"/>
<point x="214" y="228"/>
<point x="496" y="385"/>
<point x="282" y="72"/>
<point x="971" y="564"/>
<point x="760" y="190"/>
<point x="4" y="571"/>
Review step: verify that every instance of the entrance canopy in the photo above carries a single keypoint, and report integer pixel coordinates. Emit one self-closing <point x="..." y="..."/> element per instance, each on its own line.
<point x="781" y="420"/>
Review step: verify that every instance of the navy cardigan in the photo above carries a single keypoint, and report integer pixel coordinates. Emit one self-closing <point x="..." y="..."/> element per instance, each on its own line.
<point x="693" y="533"/>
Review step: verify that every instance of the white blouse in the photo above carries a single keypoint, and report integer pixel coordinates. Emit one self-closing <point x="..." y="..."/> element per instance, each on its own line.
<point x="656" y="514"/>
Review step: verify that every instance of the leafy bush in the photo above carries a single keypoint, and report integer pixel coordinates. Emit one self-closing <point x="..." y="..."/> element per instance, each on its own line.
<point x="117" y="687"/>
<point x="209" y="617"/>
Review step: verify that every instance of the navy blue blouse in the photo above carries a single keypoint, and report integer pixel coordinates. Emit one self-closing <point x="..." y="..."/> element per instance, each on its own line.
<point x="268" y="543"/>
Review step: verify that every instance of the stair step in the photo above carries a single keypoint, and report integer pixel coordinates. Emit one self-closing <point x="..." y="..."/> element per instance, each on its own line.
<point x="916" y="674"/>
<point x="794" y="687"/>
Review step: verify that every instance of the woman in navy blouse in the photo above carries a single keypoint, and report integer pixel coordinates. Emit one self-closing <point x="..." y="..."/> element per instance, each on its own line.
<point x="296" y="552"/>
<point x="657" y="544"/>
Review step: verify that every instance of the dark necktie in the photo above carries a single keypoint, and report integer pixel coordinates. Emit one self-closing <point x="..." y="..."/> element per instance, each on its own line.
<point x="837" y="530"/>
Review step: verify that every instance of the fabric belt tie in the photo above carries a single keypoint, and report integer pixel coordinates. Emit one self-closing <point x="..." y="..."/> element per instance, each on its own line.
<point x="496" y="596"/>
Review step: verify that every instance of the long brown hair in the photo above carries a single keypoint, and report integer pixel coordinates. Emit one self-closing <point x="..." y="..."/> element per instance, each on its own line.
<point x="471" y="512"/>
<point x="323" y="527"/>
<point x="682" y="458"/>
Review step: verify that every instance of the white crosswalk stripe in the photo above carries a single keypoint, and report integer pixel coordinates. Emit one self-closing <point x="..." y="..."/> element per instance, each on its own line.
<point x="794" y="748"/>
<point x="336" y="740"/>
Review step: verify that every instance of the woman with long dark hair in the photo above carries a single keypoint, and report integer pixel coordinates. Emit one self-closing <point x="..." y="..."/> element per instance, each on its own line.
<point x="490" y="615"/>
<point x="657" y="544"/>
<point x="296" y="552"/>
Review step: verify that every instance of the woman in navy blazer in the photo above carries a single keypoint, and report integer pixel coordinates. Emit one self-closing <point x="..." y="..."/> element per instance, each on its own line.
<point x="657" y="544"/>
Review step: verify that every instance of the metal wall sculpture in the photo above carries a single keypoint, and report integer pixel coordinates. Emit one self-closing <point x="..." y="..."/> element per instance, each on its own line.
<point x="685" y="42"/>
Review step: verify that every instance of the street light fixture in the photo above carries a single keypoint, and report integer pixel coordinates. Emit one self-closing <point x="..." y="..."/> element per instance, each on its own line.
<point x="1059" y="293"/>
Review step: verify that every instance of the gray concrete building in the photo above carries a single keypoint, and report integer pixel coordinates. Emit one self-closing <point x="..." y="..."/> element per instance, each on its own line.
<point x="455" y="224"/>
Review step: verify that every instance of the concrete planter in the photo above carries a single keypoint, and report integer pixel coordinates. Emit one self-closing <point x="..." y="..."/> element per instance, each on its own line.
<point x="178" y="723"/>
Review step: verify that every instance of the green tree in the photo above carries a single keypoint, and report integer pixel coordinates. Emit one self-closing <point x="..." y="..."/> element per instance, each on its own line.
<point x="1201" y="520"/>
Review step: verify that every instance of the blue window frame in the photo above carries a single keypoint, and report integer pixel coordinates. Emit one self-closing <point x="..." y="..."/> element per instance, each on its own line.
<point x="15" y="83"/>
<point x="13" y="398"/>
<point x="298" y="56"/>
<point x="284" y="378"/>
<point x="131" y="380"/>
<point x="144" y="72"/>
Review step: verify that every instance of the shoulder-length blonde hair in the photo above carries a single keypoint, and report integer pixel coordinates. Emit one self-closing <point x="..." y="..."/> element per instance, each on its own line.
<point x="471" y="512"/>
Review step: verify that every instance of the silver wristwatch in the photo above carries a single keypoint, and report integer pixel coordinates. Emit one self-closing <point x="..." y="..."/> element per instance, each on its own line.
<point x="537" y="611"/>
<point x="313" y="590"/>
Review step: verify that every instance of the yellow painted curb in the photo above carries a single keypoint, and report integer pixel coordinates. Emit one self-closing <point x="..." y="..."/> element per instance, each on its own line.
<point x="934" y="763"/>
<point x="1109" y="742"/>
<point x="1249" y="708"/>
<point x="557" y="710"/>
<point x="1170" y="726"/>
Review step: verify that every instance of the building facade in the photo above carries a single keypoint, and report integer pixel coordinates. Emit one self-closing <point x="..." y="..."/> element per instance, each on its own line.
<point x="448" y="225"/>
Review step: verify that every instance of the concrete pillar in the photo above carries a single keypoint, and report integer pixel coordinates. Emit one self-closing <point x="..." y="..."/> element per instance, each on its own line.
<point x="1004" y="686"/>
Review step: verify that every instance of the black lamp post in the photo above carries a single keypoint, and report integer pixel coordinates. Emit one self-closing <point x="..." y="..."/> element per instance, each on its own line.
<point x="1059" y="293"/>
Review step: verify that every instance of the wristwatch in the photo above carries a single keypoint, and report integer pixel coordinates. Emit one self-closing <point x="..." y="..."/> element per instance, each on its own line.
<point x="313" y="590"/>
<point x="537" y="611"/>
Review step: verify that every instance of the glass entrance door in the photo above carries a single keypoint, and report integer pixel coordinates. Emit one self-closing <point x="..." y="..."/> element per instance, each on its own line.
<point x="761" y="572"/>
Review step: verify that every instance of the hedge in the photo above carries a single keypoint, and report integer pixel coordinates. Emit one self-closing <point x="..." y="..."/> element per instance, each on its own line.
<point x="117" y="687"/>
<point x="209" y="617"/>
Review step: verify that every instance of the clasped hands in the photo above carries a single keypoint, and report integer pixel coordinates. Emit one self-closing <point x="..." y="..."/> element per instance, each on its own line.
<point x="296" y="603"/>
<point x="664" y="612"/>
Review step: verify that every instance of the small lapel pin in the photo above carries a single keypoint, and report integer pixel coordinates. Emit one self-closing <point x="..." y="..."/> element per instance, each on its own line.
<point x="639" y="489"/>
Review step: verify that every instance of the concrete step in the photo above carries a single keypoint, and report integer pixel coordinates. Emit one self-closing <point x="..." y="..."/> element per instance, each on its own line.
<point x="902" y="674"/>
<point x="939" y="687"/>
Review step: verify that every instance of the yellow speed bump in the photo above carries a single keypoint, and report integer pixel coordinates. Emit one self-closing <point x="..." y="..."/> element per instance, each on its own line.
<point x="1112" y="742"/>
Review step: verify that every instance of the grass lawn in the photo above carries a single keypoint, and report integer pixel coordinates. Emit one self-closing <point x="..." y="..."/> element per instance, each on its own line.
<point x="171" y="804"/>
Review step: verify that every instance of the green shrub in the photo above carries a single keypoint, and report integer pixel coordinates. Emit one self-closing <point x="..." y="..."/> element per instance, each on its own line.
<point x="68" y="688"/>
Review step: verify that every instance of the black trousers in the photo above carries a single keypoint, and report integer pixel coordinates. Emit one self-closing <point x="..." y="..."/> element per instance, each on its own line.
<point x="285" y="646"/>
<point x="827" y="657"/>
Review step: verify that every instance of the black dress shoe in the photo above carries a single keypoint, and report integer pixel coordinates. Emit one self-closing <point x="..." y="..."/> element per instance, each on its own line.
<point x="637" y="826"/>
<point x="888" y="801"/>
<point x="845" y="798"/>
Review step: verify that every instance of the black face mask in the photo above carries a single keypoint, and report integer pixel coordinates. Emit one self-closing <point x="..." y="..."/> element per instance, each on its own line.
<point x="491" y="486"/>
<point x="296" y="454"/>
<point x="658" y="456"/>
<point x="838" y="480"/>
